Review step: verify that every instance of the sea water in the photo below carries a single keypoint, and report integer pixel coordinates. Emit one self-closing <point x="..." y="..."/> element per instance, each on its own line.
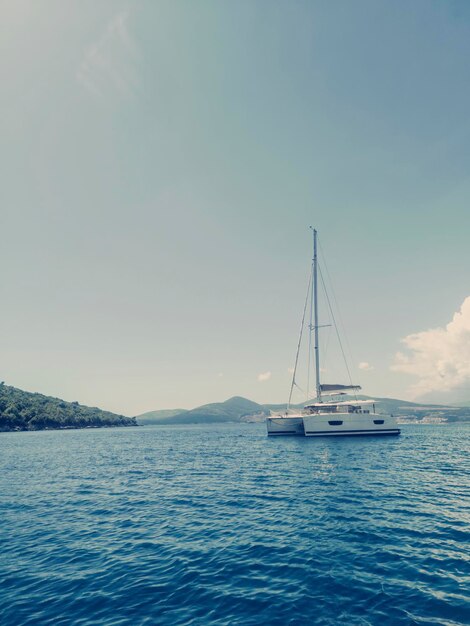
<point x="222" y="525"/>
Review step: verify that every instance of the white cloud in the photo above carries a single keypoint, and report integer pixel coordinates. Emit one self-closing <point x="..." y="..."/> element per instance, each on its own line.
<point x="109" y="64"/>
<point x="220" y="375"/>
<point x="367" y="367"/>
<point x="439" y="357"/>
<point x="263" y="377"/>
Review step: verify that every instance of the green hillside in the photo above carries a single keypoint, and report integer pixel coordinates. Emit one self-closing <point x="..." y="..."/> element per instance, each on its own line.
<point x="22" y="410"/>
<point x="156" y="417"/>
<point x="235" y="409"/>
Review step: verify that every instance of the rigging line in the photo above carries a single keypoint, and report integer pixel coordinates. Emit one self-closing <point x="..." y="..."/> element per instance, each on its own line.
<point x="299" y="387"/>
<point x="336" y="328"/>
<point x="326" y="345"/>
<point x="326" y="342"/>
<point x="301" y="391"/>
<point x="340" y="317"/>
<point x="300" y="341"/>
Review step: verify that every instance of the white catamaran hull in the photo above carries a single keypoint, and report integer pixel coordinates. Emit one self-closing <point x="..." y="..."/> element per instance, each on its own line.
<point x="285" y="425"/>
<point x="349" y="424"/>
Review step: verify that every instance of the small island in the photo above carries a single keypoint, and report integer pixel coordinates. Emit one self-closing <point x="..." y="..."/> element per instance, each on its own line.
<point x="22" y="410"/>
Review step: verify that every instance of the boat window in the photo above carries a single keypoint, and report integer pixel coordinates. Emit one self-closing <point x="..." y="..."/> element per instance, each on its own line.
<point x="335" y="422"/>
<point x="378" y="421"/>
<point x="324" y="408"/>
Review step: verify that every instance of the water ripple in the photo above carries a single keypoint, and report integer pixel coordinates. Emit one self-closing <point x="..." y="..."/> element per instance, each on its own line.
<point x="223" y="526"/>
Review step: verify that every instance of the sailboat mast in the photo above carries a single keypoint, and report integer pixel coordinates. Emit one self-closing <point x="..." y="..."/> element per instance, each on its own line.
<point x="315" y="315"/>
<point x="310" y="329"/>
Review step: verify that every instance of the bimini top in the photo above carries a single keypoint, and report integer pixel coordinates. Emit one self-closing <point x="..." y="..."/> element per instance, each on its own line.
<point x="336" y="387"/>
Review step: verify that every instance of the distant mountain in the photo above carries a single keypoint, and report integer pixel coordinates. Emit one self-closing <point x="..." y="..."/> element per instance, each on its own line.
<point x="384" y="405"/>
<point x="397" y="407"/>
<point x="238" y="409"/>
<point x="22" y="410"/>
<point x="156" y="417"/>
<point x="235" y="409"/>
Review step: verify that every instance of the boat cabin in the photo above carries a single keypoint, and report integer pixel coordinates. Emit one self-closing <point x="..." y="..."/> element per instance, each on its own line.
<point x="340" y="407"/>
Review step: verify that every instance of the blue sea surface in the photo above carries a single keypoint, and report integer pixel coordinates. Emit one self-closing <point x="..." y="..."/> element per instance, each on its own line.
<point x="222" y="525"/>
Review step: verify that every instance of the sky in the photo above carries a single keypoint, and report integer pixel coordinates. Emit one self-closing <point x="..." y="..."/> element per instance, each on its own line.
<point x="162" y="162"/>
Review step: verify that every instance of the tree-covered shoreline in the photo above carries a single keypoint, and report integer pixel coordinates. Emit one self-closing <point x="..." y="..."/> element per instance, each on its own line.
<point x="22" y="411"/>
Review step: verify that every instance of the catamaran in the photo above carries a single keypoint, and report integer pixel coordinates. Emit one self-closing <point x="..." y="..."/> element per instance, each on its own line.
<point x="330" y="414"/>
